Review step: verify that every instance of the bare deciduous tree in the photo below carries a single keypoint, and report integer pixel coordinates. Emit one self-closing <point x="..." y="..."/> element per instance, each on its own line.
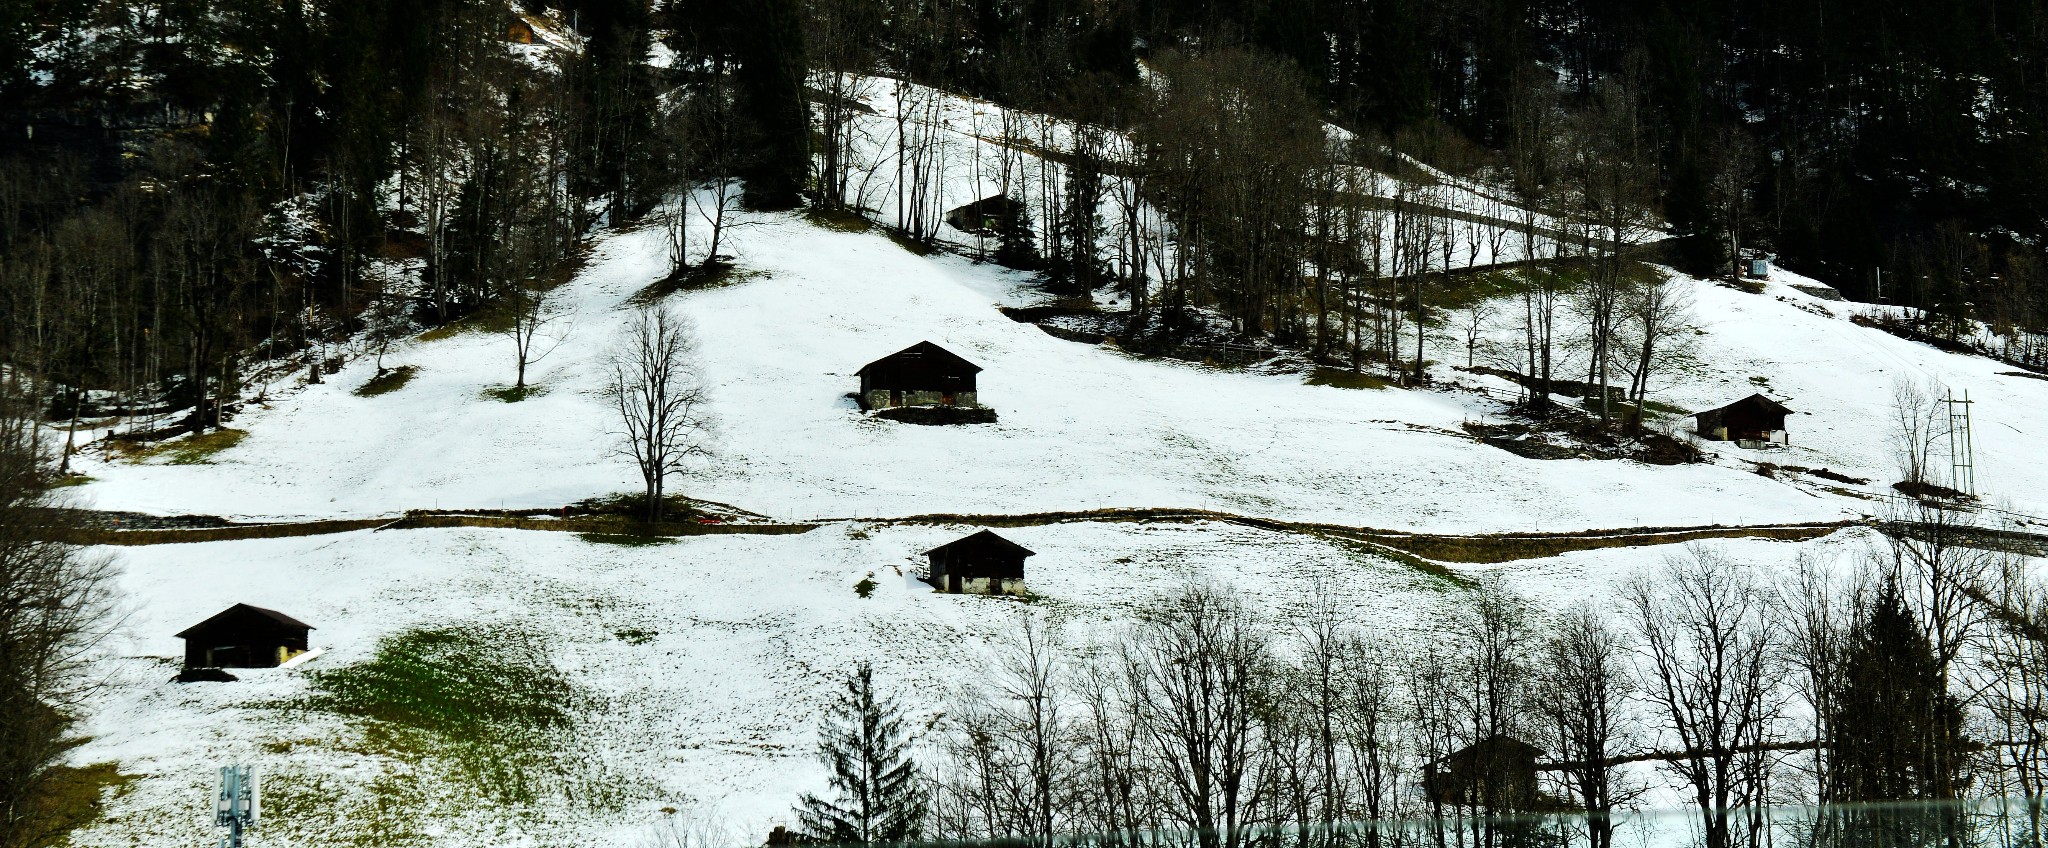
<point x="662" y="404"/>
<point x="1656" y="321"/>
<point x="1708" y="669"/>
<point x="1198" y="674"/>
<point x="1916" y="428"/>
<point x="1583" y="697"/>
<point x="526" y="319"/>
<point x="59" y="604"/>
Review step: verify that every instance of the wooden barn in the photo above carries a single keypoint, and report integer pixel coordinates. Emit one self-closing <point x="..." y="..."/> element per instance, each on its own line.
<point x="981" y="564"/>
<point x="1497" y="772"/>
<point x="987" y="216"/>
<point x="922" y="374"/>
<point x="243" y="636"/>
<point x="1754" y="419"/>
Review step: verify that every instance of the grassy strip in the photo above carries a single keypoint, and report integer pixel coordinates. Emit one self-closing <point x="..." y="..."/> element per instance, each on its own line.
<point x="387" y="382"/>
<point x="625" y="540"/>
<point x="1498" y="549"/>
<point x="1436" y="549"/>
<point x="101" y="536"/>
<point x="191" y="450"/>
<point x="607" y="525"/>
<point x="1424" y="552"/>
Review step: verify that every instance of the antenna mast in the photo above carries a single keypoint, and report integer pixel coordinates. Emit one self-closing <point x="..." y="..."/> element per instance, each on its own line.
<point x="235" y="805"/>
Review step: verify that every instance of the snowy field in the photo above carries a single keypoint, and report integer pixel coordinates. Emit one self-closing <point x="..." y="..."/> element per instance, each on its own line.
<point x="699" y="666"/>
<point x="709" y="700"/>
<point x="1081" y="426"/>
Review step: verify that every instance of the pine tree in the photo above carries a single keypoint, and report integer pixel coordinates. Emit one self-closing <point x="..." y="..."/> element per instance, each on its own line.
<point x="1016" y="246"/>
<point x="771" y="83"/>
<point x="879" y="790"/>
<point x="1896" y="735"/>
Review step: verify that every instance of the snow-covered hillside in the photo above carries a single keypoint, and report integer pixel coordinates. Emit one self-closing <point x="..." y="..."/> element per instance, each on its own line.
<point x="1081" y="427"/>
<point x="701" y="663"/>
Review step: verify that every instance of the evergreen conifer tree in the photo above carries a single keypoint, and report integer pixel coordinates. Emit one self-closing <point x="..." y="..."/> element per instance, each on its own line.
<point x="879" y="794"/>
<point x="771" y="84"/>
<point x="1016" y="247"/>
<point x="1896" y="735"/>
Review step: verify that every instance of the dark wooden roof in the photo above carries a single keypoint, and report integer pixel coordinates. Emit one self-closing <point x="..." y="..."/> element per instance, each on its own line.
<point x="1499" y="744"/>
<point x="923" y="357"/>
<point x="240" y="610"/>
<point x="1758" y="403"/>
<point x="984" y="542"/>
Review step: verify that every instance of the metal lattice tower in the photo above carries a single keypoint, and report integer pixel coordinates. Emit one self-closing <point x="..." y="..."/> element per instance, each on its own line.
<point x="236" y="803"/>
<point x="1963" y="469"/>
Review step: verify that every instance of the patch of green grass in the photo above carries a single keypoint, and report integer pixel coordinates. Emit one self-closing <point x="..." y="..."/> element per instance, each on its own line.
<point x="69" y="480"/>
<point x="387" y="382"/>
<point x="1441" y="576"/>
<point x="483" y="321"/>
<point x="189" y="450"/>
<point x="843" y="220"/>
<point x="633" y="506"/>
<point x="1345" y="379"/>
<point x="635" y="635"/>
<point x="1462" y="291"/>
<point x="625" y="540"/>
<point x="914" y="246"/>
<point x="704" y="275"/>
<point x="71" y="797"/>
<point x="515" y="394"/>
<point x="488" y="703"/>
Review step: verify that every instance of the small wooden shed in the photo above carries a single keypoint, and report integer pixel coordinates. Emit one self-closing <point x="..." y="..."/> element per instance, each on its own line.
<point x="981" y="564"/>
<point x="1498" y="772"/>
<point x="1752" y="419"/>
<point x="987" y="216"/>
<point x="244" y="636"/>
<point x="922" y="374"/>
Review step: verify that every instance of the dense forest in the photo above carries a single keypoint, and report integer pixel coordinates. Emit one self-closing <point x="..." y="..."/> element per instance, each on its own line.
<point x="196" y="196"/>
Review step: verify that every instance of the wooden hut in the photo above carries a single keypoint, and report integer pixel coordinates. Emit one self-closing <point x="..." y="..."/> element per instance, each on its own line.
<point x="987" y="216"/>
<point x="922" y="374"/>
<point x="981" y="564"/>
<point x="1755" y="419"/>
<point x="243" y="636"/>
<point x="1498" y="772"/>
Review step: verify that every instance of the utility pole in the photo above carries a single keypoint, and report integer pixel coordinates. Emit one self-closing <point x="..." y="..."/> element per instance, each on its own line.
<point x="1963" y="469"/>
<point x="236" y="803"/>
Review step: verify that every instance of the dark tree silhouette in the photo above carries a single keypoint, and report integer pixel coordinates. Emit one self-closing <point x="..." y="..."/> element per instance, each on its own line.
<point x="878" y="792"/>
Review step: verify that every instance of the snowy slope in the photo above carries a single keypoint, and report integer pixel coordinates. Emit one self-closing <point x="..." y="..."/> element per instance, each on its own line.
<point x="716" y="711"/>
<point x="1081" y="426"/>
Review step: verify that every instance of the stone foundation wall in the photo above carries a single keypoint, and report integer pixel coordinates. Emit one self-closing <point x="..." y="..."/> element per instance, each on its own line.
<point x="879" y="399"/>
